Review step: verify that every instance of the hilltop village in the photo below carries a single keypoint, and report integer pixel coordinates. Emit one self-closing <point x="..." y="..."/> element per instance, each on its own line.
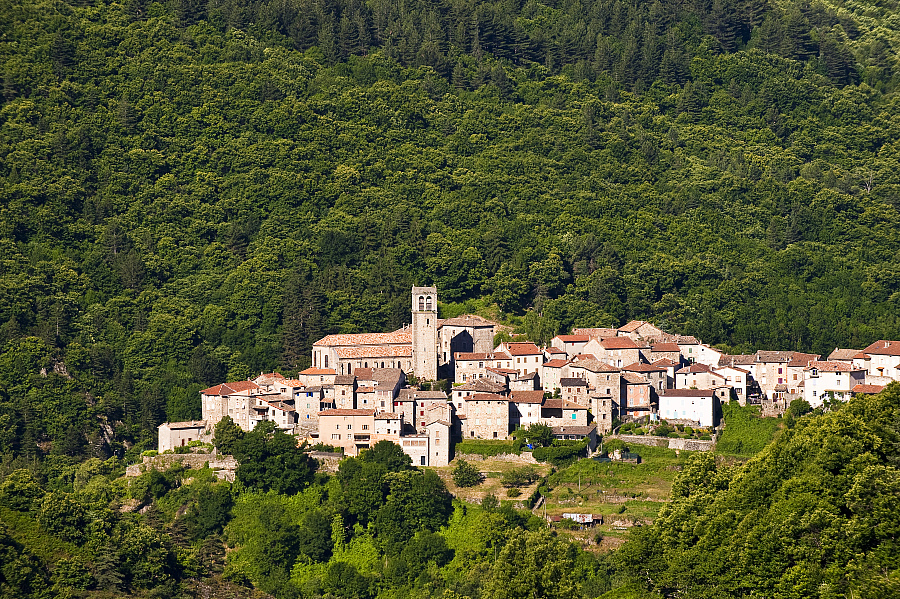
<point x="364" y="388"/>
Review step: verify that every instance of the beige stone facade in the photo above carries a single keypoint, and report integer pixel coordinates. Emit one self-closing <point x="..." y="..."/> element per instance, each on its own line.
<point x="181" y="434"/>
<point x="487" y="416"/>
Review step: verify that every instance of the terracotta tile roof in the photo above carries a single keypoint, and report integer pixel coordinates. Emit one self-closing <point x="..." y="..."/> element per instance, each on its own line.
<point x="481" y="385"/>
<point x="733" y="360"/>
<point x="466" y="320"/>
<point x="231" y="388"/>
<point x="387" y="416"/>
<point x="842" y="354"/>
<point x="686" y="340"/>
<point x="665" y="347"/>
<point x="344" y="379"/>
<point x="438" y="421"/>
<point x="632" y="326"/>
<point x="594" y="365"/>
<point x="527" y="397"/>
<point x="523" y="349"/>
<point x="562" y="404"/>
<point x="318" y="371"/>
<point x="365" y="390"/>
<point x="402" y="336"/>
<point x="862" y="356"/>
<point x="664" y="363"/>
<point x="572" y="382"/>
<point x="528" y="376"/>
<point x="634" y="379"/>
<point x="831" y="366"/>
<point x="346" y="412"/>
<point x="695" y="368"/>
<point x="470" y="356"/>
<point x="268" y="378"/>
<point x="619" y="343"/>
<point x="555" y="350"/>
<point x="556" y="363"/>
<point x="500" y="355"/>
<point x="600" y="333"/>
<point x="388" y="376"/>
<point x="735" y="368"/>
<point x="800" y="360"/>
<point x="375" y="351"/>
<point x="487" y="397"/>
<point x="503" y="371"/>
<point x="584" y="357"/>
<point x="688" y="392"/>
<point x="573" y="338"/>
<point x="280" y="405"/>
<point x="363" y="374"/>
<point x="883" y="348"/>
<point x="872" y="389"/>
<point x="294" y="383"/>
<point x="640" y="367"/>
<point x="774" y="356"/>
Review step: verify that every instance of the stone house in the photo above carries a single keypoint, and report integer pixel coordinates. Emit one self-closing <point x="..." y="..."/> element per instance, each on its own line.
<point x="464" y="334"/>
<point x="603" y="378"/>
<point x="181" y="434"/>
<point x="637" y="396"/>
<point x="554" y="353"/>
<point x="616" y="351"/>
<point x="526" y="357"/>
<point x="525" y="408"/>
<point x="316" y="376"/>
<point x="599" y="334"/>
<point x="459" y="393"/>
<point x="574" y="390"/>
<point x="438" y="432"/>
<point x="843" y="355"/>
<point x="347" y="428"/>
<point x="487" y="416"/>
<point x="552" y="375"/>
<point x="235" y="399"/>
<point x="571" y="344"/>
<point x="639" y="329"/>
<point x="525" y="382"/>
<point x="668" y="351"/>
<point x="698" y="376"/>
<point x="771" y="370"/>
<point x="388" y="424"/>
<point x="412" y="403"/>
<point x="738" y="379"/>
<point x="657" y="376"/>
<point x="345" y="387"/>
<point x="605" y="411"/>
<point x="559" y="412"/>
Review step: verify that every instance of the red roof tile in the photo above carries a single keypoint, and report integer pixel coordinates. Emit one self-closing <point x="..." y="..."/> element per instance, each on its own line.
<point x="398" y="337"/>
<point x="230" y="388"/>
<point x="527" y="397"/>
<point x="375" y="351"/>
<point x="573" y="338"/>
<point x="665" y="347"/>
<point x="619" y="343"/>
<point x="523" y="349"/>
<point x="346" y="412"/>
<point x="556" y="363"/>
<point x="872" y="389"/>
<point x="883" y="348"/>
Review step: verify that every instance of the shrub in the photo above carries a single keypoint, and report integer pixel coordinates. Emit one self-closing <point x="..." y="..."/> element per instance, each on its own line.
<point x="673" y="435"/>
<point x="519" y="477"/>
<point x="150" y="453"/>
<point x="560" y="456"/>
<point x="688" y="431"/>
<point x="513" y="492"/>
<point x="465" y="474"/>
<point x="488" y="448"/>
<point x="615" y="444"/>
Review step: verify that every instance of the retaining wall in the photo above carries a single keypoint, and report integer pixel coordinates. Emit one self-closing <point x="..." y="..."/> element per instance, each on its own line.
<point x="679" y="444"/>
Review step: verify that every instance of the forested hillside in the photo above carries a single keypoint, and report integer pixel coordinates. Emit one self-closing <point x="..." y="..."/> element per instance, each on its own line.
<point x="194" y="191"/>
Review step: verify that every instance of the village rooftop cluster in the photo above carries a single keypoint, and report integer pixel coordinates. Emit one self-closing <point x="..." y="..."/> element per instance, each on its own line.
<point x="358" y="390"/>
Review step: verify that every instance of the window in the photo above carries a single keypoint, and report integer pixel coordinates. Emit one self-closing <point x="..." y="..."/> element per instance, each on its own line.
<point x="349" y="427"/>
<point x="336" y="437"/>
<point x="326" y="361"/>
<point x="365" y="427"/>
<point x="495" y="434"/>
<point x="421" y="303"/>
<point x="573" y="416"/>
<point x="428" y="303"/>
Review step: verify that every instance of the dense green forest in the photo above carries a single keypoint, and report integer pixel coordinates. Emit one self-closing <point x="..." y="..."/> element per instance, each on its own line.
<point x="198" y="190"/>
<point x="194" y="191"/>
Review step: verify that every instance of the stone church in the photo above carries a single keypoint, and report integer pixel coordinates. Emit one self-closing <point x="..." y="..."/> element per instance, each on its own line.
<point x="424" y="348"/>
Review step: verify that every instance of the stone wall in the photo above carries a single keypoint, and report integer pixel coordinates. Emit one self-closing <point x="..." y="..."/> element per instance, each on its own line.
<point x="678" y="444"/>
<point x="524" y="458"/>
<point x="223" y="466"/>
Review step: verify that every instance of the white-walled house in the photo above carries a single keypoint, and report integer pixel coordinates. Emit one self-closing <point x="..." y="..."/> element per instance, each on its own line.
<point x="689" y="404"/>
<point x="836" y="378"/>
<point x="737" y="379"/>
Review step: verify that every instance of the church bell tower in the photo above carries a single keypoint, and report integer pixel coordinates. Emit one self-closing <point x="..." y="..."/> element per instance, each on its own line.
<point x="424" y="332"/>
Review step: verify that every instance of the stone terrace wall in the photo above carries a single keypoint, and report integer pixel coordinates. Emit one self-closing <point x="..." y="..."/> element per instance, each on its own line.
<point x="679" y="444"/>
<point x="223" y="465"/>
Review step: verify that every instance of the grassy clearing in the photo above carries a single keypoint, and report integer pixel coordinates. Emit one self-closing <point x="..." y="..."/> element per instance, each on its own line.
<point x="746" y="433"/>
<point x="488" y="448"/>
